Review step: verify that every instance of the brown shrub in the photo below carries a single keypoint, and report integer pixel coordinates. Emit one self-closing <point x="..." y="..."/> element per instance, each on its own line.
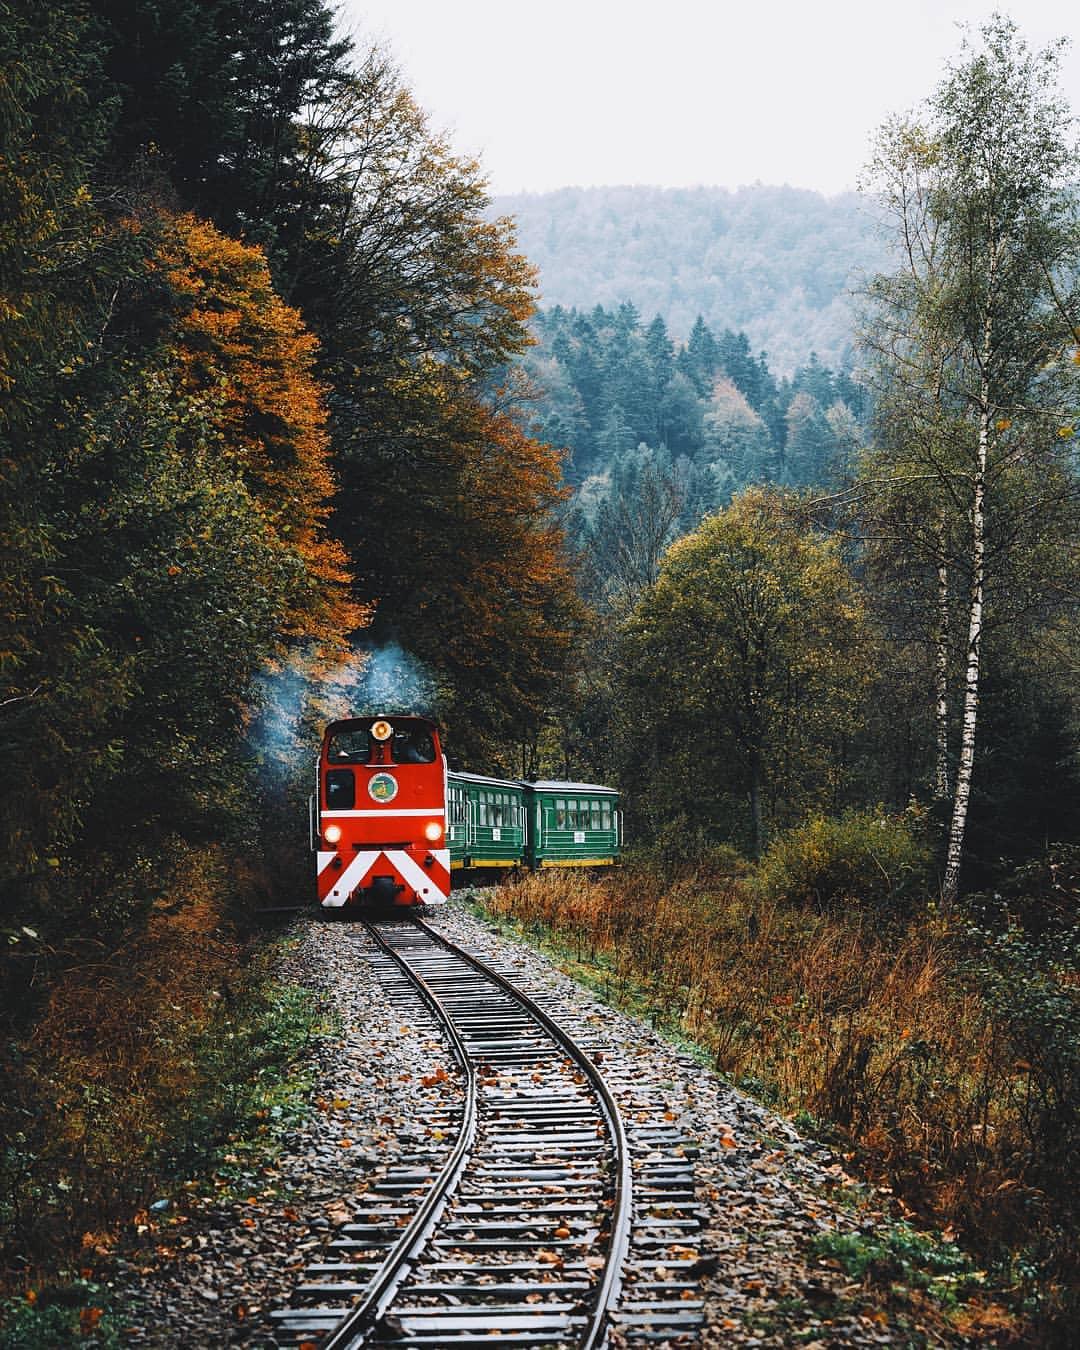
<point x="872" y="1034"/>
<point x="94" y="1088"/>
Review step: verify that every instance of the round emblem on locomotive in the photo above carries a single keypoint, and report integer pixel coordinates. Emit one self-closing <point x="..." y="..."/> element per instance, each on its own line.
<point x="383" y="787"/>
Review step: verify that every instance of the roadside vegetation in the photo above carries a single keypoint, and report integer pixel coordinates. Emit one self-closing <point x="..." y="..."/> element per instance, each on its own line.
<point x="156" y="1066"/>
<point x="938" y="1052"/>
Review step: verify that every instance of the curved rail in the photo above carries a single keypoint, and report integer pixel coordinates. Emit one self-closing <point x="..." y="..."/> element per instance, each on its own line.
<point x="621" y="1214"/>
<point x="353" y="1331"/>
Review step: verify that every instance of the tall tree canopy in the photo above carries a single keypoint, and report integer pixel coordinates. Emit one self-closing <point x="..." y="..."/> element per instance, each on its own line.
<point x="741" y="679"/>
<point x="975" y="337"/>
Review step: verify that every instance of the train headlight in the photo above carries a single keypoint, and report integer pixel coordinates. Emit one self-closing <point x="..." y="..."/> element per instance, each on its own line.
<point x="332" y="834"/>
<point x="433" y="831"/>
<point x="382" y="730"/>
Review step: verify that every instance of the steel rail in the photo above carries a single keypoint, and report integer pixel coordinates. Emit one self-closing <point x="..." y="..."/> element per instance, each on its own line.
<point x="622" y="1208"/>
<point x="353" y="1331"/>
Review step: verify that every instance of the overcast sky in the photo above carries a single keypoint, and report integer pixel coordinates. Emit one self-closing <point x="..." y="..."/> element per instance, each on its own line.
<point x="677" y="93"/>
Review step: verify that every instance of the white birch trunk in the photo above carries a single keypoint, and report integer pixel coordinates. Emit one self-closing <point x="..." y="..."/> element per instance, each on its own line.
<point x="941" y="683"/>
<point x="951" y="883"/>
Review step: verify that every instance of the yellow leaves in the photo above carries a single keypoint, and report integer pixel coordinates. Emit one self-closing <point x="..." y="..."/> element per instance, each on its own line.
<point x="1003" y="424"/>
<point x="1065" y="433"/>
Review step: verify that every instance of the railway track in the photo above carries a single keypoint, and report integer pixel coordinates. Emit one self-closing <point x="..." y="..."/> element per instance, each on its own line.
<point x="520" y="1225"/>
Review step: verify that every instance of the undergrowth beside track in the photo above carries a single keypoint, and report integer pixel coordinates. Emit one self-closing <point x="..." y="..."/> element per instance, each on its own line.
<point x="941" y="1056"/>
<point x="151" y="1067"/>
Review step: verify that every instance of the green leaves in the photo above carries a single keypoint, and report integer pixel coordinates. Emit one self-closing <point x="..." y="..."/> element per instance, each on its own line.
<point x="742" y="667"/>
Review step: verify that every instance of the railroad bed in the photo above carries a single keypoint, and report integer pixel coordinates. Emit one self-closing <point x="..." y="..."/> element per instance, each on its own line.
<point x="211" y="1264"/>
<point x="525" y="1212"/>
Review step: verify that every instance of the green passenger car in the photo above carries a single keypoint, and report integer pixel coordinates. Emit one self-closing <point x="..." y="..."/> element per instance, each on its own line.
<point x="572" y="825"/>
<point x="486" y="821"/>
<point x="495" y="823"/>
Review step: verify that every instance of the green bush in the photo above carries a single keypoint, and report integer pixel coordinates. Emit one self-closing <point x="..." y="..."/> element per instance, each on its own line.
<point x="899" y="1254"/>
<point x="62" y="1315"/>
<point x="867" y="859"/>
<point x="1031" y="987"/>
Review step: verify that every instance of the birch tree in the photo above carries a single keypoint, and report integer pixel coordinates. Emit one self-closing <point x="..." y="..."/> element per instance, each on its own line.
<point x="975" y="338"/>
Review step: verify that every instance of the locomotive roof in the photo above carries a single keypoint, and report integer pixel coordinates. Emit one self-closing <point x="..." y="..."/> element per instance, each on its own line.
<point x="391" y="717"/>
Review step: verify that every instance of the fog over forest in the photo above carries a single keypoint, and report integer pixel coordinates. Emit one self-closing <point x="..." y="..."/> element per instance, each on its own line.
<point x="778" y="263"/>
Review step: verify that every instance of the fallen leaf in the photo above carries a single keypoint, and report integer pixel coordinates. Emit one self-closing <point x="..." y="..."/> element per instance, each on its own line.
<point x="89" y="1318"/>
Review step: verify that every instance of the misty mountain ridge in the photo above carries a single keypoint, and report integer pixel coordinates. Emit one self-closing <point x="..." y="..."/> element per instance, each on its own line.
<point x="778" y="263"/>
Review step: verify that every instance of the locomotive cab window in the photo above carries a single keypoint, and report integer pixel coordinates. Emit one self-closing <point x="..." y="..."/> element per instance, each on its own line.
<point x="340" y="790"/>
<point x="350" y="747"/>
<point x="413" y="745"/>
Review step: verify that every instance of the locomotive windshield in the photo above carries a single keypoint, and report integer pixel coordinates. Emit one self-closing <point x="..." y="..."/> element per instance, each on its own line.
<point x="407" y="745"/>
<point x="350" y="747"/>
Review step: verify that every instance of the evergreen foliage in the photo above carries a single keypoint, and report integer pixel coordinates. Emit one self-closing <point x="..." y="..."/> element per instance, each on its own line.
<point x="606" y="384"/>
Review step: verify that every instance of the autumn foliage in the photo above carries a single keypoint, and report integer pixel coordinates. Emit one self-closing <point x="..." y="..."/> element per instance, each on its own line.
<point x="235" y="342"/>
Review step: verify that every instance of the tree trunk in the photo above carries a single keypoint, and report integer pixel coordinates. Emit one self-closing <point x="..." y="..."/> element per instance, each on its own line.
<point x="757" y="825"/>
<point x="941" y="682"/>
<point x="951" y="883"/>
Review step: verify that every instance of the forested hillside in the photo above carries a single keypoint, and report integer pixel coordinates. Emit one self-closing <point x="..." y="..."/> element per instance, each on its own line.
<point x="775" y="262"/>
<point x="278" y="410"/>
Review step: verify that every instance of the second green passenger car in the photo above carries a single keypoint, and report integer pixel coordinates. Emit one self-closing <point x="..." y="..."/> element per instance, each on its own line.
<point x="496" y="823"/>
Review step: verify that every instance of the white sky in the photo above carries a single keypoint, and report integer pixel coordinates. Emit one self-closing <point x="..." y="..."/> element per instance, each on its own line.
<point x="674" y="93"/>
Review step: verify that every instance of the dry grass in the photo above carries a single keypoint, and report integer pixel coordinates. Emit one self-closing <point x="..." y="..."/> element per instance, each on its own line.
<point x="871" y="1037"/>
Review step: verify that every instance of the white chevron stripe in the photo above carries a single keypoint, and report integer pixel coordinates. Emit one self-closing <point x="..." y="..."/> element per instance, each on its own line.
<point x="353" y="875"/>
<point x="414" y="874"/>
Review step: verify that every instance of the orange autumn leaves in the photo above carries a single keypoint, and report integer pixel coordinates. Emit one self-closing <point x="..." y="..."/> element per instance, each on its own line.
<point x="237" y="345"/>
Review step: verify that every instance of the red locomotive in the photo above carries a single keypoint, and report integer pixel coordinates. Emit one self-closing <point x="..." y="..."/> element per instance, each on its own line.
<point x="378" y="819"/>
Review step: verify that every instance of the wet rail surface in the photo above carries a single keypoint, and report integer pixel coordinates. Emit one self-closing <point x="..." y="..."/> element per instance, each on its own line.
<point x="521" y="1221"/>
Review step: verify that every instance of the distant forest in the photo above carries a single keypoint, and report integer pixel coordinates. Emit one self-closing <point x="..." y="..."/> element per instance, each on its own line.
<point x="778" y="263"/>
<point x="695" y="422"/>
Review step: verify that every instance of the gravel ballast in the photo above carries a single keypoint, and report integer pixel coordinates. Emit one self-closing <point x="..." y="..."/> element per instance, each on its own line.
<point x="206" y="1272"/>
